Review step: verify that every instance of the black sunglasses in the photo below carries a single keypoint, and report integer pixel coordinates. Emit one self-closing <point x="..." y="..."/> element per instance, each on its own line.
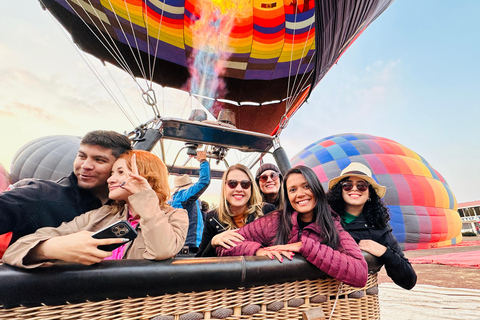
<point x="245" y="184"/>
<point x="264" y="177"/>
<point x="362" y="186"/>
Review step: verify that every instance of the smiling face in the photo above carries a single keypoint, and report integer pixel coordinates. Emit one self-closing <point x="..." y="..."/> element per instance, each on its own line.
<point x="269" y="186"/>
<point x="237" y="197"/>
<point x="120" y="173"/>
<point x="92" y="167"/>
<point x="301" y="196"/>
<point x="355" y="199"/>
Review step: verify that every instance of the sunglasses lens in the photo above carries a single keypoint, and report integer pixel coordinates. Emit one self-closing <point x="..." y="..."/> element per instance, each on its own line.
<point x="264" y="177"/>
<point x="232" y="184"/>
<point x="362" y="186"/>
<point x="347" y="186"/>
<point x="245" y="184"/>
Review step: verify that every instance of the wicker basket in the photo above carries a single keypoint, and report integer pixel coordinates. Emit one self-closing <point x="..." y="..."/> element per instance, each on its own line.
<point x="187" y="289"/>
<point x="280" y="301"/>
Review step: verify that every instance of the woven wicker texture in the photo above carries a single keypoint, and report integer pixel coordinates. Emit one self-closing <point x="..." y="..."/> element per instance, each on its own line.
<point x="204" y="305"/>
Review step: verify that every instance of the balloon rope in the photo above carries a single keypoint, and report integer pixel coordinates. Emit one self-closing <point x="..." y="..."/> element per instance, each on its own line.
<point x="112" y="50"/>
<point x="294" y="90"/>
<point x="287" y="106"/>
<point x="97" y="75"/>
<point x="115" y="52"/>
<point x="304" y="81"/>
<point x="140" y="64"/>
<point x="158" y="38"/>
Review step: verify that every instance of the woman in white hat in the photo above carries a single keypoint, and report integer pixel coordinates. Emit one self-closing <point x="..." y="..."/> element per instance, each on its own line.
<point x="357" y="198"/>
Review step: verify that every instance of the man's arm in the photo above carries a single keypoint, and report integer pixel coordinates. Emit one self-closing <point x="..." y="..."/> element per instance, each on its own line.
<point x="17" y="206"/>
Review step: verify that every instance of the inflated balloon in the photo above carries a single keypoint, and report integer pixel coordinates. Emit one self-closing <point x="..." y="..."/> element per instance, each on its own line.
<point x="4" y="178"/>
<point x="261" y="59"/>
<point x="4" y="183"/>
<point x="423" y="209"/>
<point x="48" y="158"/>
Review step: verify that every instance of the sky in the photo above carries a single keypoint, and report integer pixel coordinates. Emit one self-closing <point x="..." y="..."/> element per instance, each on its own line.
<point x="412" y="76"/>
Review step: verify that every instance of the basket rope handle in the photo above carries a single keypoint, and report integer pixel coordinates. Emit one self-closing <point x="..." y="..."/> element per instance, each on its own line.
<point x="340" y="289"/>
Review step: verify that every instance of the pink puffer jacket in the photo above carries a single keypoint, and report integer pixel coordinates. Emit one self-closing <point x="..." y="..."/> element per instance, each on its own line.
<point x="345" y="263"/>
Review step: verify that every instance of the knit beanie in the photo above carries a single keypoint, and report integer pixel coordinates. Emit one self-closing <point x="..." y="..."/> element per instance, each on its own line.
<point x="267" y="166"/>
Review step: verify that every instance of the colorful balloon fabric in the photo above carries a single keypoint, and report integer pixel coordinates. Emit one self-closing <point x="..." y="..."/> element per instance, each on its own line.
<point x="261" y="59"/>
<point x="423" y="209"/>
<point x="48" y="158"/>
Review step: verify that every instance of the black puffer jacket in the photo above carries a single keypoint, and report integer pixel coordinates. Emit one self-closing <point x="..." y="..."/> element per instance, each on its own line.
<point x="213" y="226"/>
<point x="397" y="266"/>
<point x="43" y="203"/>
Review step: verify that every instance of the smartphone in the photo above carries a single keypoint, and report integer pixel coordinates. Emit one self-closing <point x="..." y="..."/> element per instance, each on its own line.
<point x="119" y="229"/>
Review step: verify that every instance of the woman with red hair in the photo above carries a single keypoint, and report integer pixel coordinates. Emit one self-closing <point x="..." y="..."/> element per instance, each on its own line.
<point x="139" y="189"/>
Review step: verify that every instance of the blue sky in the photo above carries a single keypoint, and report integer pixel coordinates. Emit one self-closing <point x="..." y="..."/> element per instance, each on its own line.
<point x="412" y="76"/>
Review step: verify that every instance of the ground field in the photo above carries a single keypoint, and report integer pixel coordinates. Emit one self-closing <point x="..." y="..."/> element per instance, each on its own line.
<point x="442" y="291"/>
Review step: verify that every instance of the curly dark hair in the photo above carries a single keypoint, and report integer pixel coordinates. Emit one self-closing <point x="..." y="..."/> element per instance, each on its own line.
<point x="374" y="211"/>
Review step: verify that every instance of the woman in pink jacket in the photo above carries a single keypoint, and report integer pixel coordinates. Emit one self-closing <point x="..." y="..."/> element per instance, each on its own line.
<point x="306" y="226"/>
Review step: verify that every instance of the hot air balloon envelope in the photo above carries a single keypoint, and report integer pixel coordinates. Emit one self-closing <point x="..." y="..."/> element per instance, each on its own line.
<point x="48" y="158"/>
<point x="423" y="209"/>
<point x="259" y="59"/>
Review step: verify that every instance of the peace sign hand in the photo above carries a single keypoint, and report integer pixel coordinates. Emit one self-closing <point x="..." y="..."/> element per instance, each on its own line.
<point x="135" y="182"/>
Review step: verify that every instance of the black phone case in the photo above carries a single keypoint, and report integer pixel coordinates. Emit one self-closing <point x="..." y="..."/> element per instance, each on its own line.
<point x="119" y="229"/>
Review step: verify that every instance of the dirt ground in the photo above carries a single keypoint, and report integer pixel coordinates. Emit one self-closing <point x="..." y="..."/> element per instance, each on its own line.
<point x="442" y="291"/>
<point x="442" y="275"/>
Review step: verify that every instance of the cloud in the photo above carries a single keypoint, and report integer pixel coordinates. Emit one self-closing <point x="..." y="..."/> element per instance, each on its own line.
<point x="6" y="114"/>
<point x="344" y="101"/>
<point x="20" y="111"/>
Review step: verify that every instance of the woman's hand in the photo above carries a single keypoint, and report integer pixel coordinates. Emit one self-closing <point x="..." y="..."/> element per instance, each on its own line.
<point x="226" y="238"/>
<point x="372" y="247"/>
<point x="78" y="247"/>
<point x="286" y="250"/>
<point x="135" y="182"/>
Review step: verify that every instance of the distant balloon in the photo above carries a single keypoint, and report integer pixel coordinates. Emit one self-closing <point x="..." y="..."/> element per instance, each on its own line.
<point x="48" y="158"/>
<point x="4" y="178"/>
<point x="422" y="207"/>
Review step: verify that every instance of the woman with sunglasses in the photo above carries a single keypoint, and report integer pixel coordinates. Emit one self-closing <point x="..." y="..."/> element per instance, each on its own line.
<point x="306" y="226"/>
<point x="269" y="180"/>
<point x="356" y="196"/>
<point x="240" y="203"/>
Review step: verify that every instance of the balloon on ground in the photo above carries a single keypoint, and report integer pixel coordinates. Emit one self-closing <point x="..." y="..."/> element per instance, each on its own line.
<point x="423" y="209"/>
<point x="4" y="178"/>
<point x="4" y="183"/>
<point x="48" y="158"/>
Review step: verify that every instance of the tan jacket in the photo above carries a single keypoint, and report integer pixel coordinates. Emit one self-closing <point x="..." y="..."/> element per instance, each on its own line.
<point x="161" y="234"/>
